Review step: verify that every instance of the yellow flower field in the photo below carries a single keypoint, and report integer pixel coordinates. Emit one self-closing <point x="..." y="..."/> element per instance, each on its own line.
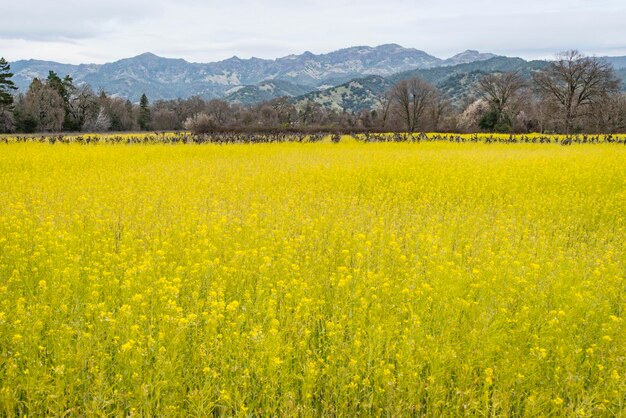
<point x="383" y="279"/>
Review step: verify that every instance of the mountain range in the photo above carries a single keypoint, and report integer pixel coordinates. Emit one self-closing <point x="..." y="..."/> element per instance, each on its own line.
<point x="348" y="79"/>
<point x="166" y="78"/>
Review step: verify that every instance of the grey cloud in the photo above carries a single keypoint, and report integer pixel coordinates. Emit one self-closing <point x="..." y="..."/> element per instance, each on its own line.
<point x="206" y="30"/>
<point x="67" y="20"/>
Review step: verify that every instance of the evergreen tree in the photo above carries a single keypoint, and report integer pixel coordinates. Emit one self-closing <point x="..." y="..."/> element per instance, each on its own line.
<point x="144" y="113"/>
<point x="63" y="86"/>
<point x="6" y="84"/>
<point x="7" y="118"/>
<point x="66" y="89"/>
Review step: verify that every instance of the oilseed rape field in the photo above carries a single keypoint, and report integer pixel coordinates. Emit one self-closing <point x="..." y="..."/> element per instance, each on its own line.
<point x="317" y="279"/>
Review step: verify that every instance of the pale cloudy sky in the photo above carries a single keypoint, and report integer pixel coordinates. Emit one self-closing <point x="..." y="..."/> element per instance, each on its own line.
<point x="97" y="31"/>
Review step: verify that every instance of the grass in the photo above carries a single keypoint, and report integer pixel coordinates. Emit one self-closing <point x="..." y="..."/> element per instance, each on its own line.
<point x="312" y="279"/>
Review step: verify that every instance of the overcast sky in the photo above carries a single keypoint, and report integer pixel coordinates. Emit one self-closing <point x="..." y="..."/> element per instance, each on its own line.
<point x="97" y="31"/>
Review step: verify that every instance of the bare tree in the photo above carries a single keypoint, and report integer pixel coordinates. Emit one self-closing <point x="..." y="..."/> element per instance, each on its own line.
<point x="121" y="114"/>
<point x="165" y="120"/>
<point x="44" y="106"/>
<point x="201" y="123"/>
<point x="576" y="82"/>
<point x="365" y="119"/>
<point x="7" y="120"/>
<point x="385" y="105"/>
<point x="98" y="123"/>
<point x="82" y="105"/>
<point x="284" y="109"/>
<point x="219" y="110"/>
<point x="266" y="115"/>
<point x="439" y="108"/>
<point x="470" y="118"/>
<point x="411" y="99"/>
<point x="501" y="91"/>
<point x="310" y="113"/>
<point x="609" y="116"/>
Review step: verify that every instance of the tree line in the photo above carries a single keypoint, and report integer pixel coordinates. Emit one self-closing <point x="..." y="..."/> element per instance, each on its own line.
<point x="573" y="94"/>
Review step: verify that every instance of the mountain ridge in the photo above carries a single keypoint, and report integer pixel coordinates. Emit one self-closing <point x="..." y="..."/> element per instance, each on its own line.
<point x="168" y="78"/>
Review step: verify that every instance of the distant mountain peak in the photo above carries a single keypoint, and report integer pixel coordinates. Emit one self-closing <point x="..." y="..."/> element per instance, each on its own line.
<point x="468" y="56"/>
<point x="145" y="57"/>
<point x="149" y="58"/>
<point x="390" y="47"/>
